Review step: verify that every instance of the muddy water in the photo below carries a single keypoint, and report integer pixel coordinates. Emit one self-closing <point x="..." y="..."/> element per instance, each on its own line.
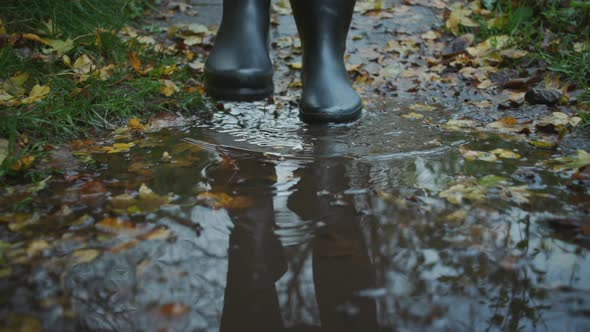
<point x="337" y="228"/>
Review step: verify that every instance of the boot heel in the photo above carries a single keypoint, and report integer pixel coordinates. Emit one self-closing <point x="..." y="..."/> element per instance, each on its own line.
<point x="239" y="94"/>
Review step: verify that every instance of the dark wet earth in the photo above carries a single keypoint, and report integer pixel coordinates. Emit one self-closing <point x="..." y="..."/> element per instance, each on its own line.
<point x="253" y="221"/>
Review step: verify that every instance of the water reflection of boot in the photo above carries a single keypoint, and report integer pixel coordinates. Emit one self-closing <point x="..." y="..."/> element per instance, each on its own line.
<point x="239" y="66"/>
<point x="256" y="259"/>
<point x="341" y="264"/>
<point x="327" y="93"/>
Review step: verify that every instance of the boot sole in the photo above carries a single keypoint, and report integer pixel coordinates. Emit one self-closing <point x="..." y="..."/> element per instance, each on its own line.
<point x="239" y="94"/>
<point x="322" y="118"/>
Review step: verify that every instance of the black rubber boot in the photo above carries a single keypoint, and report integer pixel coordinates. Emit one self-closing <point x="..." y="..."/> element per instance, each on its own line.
<point x="327" y="93"/>
<point x="239" y="66"/>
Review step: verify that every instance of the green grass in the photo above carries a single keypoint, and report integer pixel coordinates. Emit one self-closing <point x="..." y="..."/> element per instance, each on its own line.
<point x="549" y="28"/>
<point x="73" y="107"/>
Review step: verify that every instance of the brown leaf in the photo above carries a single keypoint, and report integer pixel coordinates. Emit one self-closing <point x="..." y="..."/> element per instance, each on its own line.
<point x="174" y="309"/>
<point x="115" y="225"/>
<point x="135" y="61"/>
<point x="92" y="188"/>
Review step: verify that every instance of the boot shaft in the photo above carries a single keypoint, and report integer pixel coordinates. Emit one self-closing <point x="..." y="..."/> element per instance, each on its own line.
<point x="323" y="25"/>
<point x="256" y="12"/>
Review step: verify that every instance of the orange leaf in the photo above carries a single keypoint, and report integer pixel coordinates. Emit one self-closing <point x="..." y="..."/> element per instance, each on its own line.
<point x="115" y="225"/>
<point x="134" y="61"/>
<point x="509" y="121"/>
<point x="174" y="309"/>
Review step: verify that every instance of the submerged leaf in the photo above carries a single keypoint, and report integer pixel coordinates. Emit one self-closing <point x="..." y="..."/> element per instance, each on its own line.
<point x="573" y="163"/>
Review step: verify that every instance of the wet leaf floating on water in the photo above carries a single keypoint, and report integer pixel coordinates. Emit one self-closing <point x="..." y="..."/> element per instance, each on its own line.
<point x="517" y="194"/>
<point x="145" y="202"/>
<point x="573" y="163"/>
<point x="118" y="147"/>
<point x="223" y="200"/>
<point x="459" y="125"/>
<point x="491" y="180"/>
<point x="506" y="154"/>
<point x="458" y="193"/>
<point x="477" y="155"/>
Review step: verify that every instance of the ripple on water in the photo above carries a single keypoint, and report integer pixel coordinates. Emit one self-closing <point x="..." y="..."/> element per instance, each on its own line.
<point x="383" y="133"/>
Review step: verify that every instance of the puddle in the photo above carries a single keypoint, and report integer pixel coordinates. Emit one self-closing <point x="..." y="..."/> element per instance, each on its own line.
<point x="276" y="226"/>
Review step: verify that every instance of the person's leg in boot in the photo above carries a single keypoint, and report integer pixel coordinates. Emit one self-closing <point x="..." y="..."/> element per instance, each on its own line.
<point x="327" y="93"/>
<point x="239" y="67"/>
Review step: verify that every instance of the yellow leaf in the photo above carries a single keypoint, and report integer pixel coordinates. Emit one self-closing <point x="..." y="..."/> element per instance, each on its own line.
<point x="223" y="200"/>
<point x="23" y="163"/>
<point x="106" y="72"/>
<point x="506" y="154"/>
<point x="459" y="192"/>
<point x="457" y="125"/>
<point x="2" y="28"/>
<point x="3" y="150"/>
<point x="37" y="93"/>
<point x="574" y="163"/>
<point x="296" y="65"/>
<point x="413" y="116"/>
<point x="134" y="61"/>
<point x="422" y="107"/>
<point x="84" y="256"/>
<point x="60" y="46"/>
<point x="135" y="123"/>
<point x="34" y="37"/>
<point x="460" y="17"/>
<point x="14" y="85"/>
<point x="118" y="147"/>
<point x="168" y="88"/>
<point x="477" y="155"/>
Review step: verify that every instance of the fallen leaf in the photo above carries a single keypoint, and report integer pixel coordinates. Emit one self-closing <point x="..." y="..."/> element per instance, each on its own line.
<point x="413" y="116"/>
<point x="116" y="225"/>
<point x="37" y="93"/>
<point x="3" y="150"/>
<point x="573" y="163"/>
<point x="505" y="154"/>
<point x="118" y="147"/>
<point x="135" y="61"/>
<point x="459" y="192"/>
<point x="458" y="125"/>
<point x="135" y="124"/>
<point x="92" y="188"/>
<point x="83" y="256"/>
<point x="174" y="309"/>
<point x="223" y="200"/>
<point x="168" y="88"/>
<point x="23" y="164"/>
<point x="477" y="155"/>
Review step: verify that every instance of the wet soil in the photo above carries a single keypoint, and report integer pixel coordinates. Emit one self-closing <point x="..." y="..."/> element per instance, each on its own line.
<point x="253" y="221"/>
